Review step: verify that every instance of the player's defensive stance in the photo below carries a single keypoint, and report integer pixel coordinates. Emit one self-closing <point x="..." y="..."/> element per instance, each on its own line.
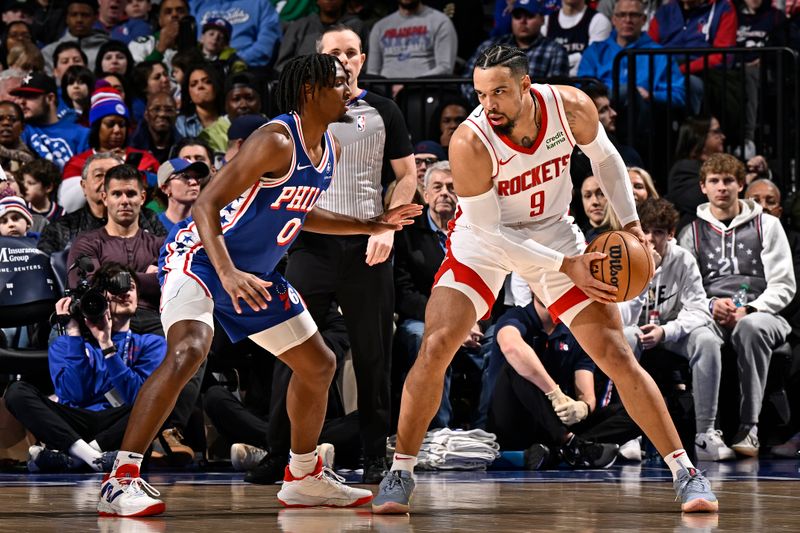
<point x="226" y="252"/>
<point x="510" y="161"/>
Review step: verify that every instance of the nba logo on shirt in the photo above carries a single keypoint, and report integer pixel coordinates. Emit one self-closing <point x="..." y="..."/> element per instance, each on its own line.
<point x="361" y="123"/>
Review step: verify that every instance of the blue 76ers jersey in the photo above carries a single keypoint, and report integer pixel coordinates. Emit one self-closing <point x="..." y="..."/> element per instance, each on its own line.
<point x="258" y="227"/>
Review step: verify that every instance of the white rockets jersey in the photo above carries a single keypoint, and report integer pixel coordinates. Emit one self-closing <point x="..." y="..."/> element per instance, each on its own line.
<point x="531" y="183"/>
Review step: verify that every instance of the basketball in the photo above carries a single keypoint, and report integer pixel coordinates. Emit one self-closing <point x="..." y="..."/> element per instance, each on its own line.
<point x="628" y="264"/>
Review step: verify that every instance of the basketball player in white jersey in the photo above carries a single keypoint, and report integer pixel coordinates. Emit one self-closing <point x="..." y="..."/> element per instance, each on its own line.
<point x="510" y="162"/>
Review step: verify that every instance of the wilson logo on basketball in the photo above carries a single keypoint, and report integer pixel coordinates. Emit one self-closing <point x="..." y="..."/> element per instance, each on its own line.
<point x="615" y="264"/>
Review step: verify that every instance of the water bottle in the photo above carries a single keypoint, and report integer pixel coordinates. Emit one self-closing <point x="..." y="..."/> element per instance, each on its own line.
<point x="740" y="297"/>
<point x="654" y="318"/>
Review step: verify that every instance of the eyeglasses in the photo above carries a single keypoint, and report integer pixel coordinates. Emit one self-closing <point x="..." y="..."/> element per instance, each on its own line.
<point x="162" y="110"/>
<point x="633" y="15"/>
<point x="425" y="161"/>
<point x="10" y="118"/>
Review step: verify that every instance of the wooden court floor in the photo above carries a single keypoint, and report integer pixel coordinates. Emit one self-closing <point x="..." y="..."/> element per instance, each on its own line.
<point x="753" y="497"/>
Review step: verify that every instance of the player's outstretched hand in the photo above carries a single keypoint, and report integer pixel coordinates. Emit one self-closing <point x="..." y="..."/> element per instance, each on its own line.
<point x="395" y="218"/>
<point x="578" y="268"/>
<point x="248" y="287"/>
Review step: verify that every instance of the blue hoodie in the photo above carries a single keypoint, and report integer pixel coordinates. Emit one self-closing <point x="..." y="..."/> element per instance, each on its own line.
<point x="82" y="375"/>
<point x="256" y="26"/>
<point x="712" y="24"/>
<point x="598" y="62"/>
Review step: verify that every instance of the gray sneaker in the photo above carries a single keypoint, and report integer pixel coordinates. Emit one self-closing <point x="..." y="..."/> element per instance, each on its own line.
<point x="694" y="492"/>
<point x="394" y="493"/>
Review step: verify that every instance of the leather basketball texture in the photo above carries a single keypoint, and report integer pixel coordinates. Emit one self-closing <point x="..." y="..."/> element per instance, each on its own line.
<point x="628" y="264"/>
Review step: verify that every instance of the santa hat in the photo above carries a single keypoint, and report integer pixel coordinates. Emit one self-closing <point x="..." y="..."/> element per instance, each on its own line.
<point x="107" y="101"/>
<point x="15" y="203"/>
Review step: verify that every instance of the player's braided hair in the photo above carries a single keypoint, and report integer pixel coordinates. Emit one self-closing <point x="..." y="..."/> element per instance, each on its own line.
<point x="505" y="56"/>
<point x="316" y="70"/>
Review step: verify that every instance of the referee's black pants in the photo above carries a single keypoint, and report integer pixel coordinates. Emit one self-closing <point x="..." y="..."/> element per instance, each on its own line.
<point x="521" y="415"/>
<point x="60" y="426"/>
<point x="324" y="268"/>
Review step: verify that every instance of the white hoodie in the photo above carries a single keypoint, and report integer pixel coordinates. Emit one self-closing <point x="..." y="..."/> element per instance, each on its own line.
<point x="676" y="291"/>
<point x="753" y="249"/>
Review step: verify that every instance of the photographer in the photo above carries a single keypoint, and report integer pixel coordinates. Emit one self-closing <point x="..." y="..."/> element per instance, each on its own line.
<point x="96" y="377"/>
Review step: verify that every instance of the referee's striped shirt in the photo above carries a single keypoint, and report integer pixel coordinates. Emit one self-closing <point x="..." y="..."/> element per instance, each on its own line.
<point x="375" y="137"/>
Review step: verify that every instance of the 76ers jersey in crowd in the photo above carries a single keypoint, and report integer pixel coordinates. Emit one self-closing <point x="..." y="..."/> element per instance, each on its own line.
<point x="258" y="227"/>
<point x="531" y="183"/>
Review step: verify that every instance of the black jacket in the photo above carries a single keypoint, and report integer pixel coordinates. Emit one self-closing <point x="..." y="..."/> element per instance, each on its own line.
<point x="417" y="257"/>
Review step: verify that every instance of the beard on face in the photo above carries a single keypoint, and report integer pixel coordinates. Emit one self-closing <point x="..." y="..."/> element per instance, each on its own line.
<point x="505" y="129"/>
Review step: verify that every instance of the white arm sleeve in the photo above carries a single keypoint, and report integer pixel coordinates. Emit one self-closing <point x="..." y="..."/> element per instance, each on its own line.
<point x="609" y="169"/>
<point x="482" y="213"/>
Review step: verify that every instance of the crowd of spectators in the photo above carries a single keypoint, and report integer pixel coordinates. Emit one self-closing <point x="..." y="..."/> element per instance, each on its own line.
<point x="115" y="114"/>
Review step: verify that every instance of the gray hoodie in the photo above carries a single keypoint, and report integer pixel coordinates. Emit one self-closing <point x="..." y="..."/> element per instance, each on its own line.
<point x="753" y="250"/>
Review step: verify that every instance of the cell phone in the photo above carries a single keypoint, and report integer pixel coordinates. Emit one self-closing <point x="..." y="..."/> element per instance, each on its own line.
<point x="187" y="33"/>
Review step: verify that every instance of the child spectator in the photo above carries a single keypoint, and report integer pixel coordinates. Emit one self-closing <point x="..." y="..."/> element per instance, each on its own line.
<point x="76" y="87"/>
<point x="15" y="218"/>
<point x="40" y="178"/>
<point x="139" y="9"/>
<point x="215" y="45"/>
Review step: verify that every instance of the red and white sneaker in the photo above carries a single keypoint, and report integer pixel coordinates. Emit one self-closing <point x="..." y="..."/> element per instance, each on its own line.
<point x="126" y="494"/>
<point x="322" y="487"/>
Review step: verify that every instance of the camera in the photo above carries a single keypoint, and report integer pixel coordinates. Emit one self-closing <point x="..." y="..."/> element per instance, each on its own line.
<point x="89" y="299"/>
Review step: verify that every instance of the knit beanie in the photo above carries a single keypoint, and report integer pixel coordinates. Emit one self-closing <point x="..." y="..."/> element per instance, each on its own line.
<point x="15" y="203"/>
<point x="106" y="101"/>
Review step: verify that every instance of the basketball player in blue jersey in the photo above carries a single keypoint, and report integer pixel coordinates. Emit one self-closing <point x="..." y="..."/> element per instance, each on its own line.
<point x="510" y="161"/>
<point x="220" y="263"/>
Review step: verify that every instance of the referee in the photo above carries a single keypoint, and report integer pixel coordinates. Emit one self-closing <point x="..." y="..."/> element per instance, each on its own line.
<point x="354" y="270"/>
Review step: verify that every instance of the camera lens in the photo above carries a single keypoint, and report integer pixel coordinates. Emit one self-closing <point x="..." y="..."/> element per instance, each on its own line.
<point x="93" y="305"/>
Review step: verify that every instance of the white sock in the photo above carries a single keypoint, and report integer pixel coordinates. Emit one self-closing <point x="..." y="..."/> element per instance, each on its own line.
<point x="677" y="460"/>
<point x="96" y="446"/>
<point x="401" y="461"/>
<point x="127" y="458"/>
<point x="302" y="464"/>
<point x="80" y="449"/>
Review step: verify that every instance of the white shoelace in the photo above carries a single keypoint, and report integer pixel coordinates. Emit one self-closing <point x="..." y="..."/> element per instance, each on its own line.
<point x="326" y="474"/>
<point x="140" y="485"/>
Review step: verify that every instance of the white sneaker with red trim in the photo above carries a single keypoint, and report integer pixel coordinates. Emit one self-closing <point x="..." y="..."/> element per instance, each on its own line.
<point x="126" y="494"/>
<point x="323" y="487"/>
